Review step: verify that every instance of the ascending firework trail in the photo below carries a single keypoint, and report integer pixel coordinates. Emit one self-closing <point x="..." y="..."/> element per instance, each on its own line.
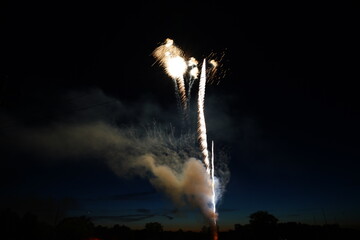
<point x="203" y="145"/>
<point x="201" y="118"/>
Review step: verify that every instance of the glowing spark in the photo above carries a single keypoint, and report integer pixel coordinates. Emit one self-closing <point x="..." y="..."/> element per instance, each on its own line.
<point x="192" y="62"/>
<point x="217" y="70"/>
<point x="169" y="42"/>
<point x="213" y="63"/>
<point x="193" y="74"/>
<point x="194" y="71"/>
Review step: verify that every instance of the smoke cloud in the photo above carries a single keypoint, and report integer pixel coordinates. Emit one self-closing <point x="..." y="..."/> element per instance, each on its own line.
<point x="154" y="151"/>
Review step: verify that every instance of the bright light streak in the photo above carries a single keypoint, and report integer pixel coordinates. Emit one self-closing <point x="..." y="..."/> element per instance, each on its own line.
<point x="201" y="118"/>
<point x="213" y="177"/>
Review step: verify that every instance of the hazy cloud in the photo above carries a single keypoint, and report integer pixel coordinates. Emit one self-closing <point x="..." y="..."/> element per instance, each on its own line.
<point x="169" y="159"/>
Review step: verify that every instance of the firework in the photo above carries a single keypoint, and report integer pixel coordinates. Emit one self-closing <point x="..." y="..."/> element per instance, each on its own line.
<point x="201" y="118"/>
<point x="172" y="59"/>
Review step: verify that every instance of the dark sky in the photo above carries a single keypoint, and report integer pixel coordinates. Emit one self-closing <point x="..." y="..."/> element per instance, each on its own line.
<point x="283" y="110"/>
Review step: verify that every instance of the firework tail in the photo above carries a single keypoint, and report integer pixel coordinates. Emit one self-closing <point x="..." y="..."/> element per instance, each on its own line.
<point x="190" y="83"/>
<point x="181" y="86"/>
<point x="204" y="147"/>
<point x="201" y="118"/>
<point x="213" y="178"/>
<point x="183" y="98"/>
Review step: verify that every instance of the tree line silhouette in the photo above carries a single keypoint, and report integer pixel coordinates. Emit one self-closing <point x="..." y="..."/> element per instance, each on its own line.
<point x="262" y="225"/>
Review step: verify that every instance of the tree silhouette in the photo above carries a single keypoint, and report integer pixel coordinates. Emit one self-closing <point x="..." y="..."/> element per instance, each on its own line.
<point x="263" y="225"/>
<point x="205" y="229"/>
<point x="262" y="218"/>
<point x="121" y="229"/>
<point x="75" y="228"/>
<point x="154" y="227"/>
<point x="10" y="224"/>
<point x="237" y="227"/>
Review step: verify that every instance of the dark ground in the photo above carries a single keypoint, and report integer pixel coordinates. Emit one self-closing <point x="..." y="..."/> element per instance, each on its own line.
<point x="28" y="227"/>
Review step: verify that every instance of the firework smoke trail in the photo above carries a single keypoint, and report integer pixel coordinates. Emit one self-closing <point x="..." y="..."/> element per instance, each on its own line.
<point x="181" y="87"/>
<point x="213" y="177"/>
<point x="204" y="147"/>
<point x="201" y="119"/>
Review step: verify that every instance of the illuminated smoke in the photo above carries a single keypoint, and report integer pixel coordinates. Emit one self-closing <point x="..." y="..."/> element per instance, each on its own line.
<point x="213" y="224"/>
<point x="189" y="185"/>
<point x="170" y="163"/>
<point x="152" y="153"/>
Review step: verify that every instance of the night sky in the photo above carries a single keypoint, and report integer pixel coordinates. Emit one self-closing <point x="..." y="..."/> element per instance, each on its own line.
<point x="283" y="110"/>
